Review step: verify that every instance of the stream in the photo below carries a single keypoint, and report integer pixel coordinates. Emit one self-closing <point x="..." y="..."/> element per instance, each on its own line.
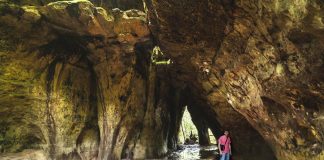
<point x="193" y="152"/>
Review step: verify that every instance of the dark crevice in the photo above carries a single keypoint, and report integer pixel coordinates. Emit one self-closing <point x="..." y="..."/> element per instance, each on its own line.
<point x="91" y="122"/>
<point x="176" y="109"/>
<point x="143" y="58"/>
<point x="114" y="137"/>
<point x="66" y="46"/>
<point x="49" y="117"/>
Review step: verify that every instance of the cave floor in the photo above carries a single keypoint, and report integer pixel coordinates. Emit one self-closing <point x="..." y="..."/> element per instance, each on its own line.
<point x="28" y="154"/>
<point x="191" y="152"/>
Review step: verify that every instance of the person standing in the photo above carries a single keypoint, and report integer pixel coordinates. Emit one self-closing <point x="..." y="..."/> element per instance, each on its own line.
<point x="224" y="146"/>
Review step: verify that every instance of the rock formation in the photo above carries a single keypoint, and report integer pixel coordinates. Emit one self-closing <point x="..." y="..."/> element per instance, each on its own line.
<point x="262" y="58"/>
<point x="107" y="4"/>
<point x="78" y="81"/>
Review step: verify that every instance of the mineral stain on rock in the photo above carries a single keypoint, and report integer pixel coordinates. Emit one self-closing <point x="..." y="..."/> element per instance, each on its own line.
<point x="84" y="79"/>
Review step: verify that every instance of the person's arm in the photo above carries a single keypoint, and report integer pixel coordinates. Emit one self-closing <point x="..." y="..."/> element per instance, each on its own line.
<point x="230" y="149"/>
<point x="219" y="146"/>
<point x="220" y="151"/>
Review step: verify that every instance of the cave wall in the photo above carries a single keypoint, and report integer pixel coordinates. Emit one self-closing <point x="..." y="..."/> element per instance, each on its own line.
<point x="246" y="141"/>
<point x="220" y="116"/>
<point x="77" y="82"/>
<point x="107" y="4"/>
<point x="264" y="58"/>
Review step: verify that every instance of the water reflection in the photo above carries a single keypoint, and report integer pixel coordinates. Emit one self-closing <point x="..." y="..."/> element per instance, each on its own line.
<point x="191" y="152"/>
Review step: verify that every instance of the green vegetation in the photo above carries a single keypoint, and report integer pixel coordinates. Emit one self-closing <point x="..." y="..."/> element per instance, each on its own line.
<point x="187" y="127"/>
<point x="157" y="57"/>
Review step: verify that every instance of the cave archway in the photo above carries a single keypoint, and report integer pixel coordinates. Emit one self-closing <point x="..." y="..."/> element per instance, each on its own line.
<point x="219" y="117"/>
<point x="188" y="128"/>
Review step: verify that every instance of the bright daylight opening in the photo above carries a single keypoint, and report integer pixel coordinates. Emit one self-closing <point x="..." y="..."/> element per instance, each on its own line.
<point x="188" y="133"/>
<point x="189" y="141"/>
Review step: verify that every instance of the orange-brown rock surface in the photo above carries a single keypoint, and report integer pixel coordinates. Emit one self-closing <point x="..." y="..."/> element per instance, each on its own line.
<point x="82" y="82"/>
<point x="77" y="82"/>
<point x="262" y="58"/>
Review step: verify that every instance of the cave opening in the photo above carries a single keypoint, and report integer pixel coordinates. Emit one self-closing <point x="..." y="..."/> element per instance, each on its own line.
<point x="188" y="133"/>
<point x="191" y="145"/>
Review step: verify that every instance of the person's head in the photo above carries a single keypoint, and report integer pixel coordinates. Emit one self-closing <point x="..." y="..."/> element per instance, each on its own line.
<point x="226" y="133"/>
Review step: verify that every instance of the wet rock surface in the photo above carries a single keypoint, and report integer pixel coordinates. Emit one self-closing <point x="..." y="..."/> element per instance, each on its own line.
<point x="195" y="152"/>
